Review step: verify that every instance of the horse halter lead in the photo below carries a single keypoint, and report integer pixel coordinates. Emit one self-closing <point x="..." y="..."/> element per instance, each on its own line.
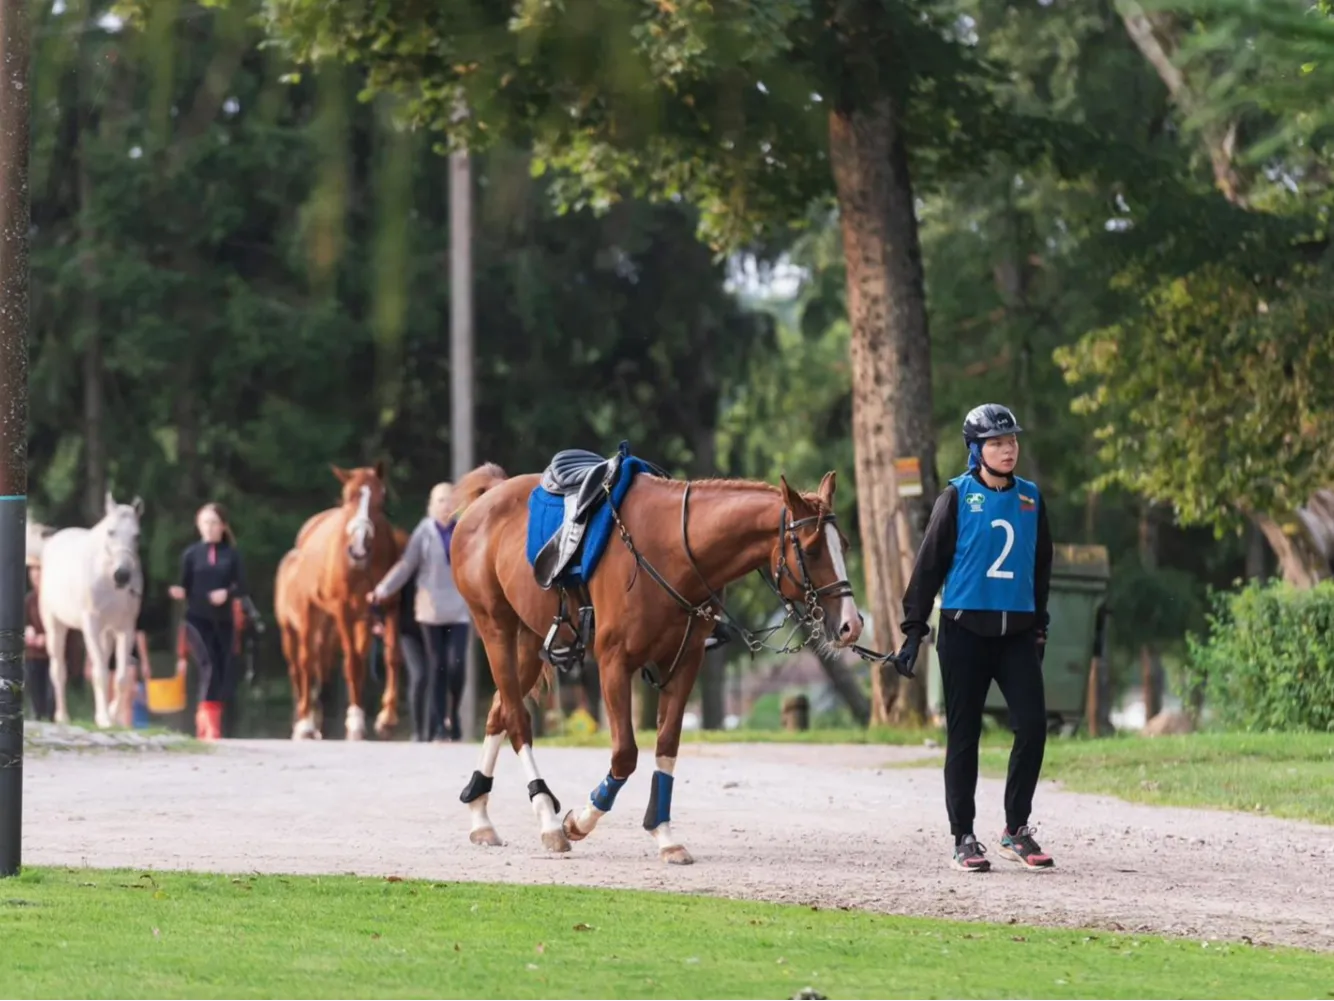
<point x="804" y="612"/>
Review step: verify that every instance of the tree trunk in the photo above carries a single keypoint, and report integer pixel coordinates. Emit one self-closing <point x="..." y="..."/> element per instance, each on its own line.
<point x="712" y="689"/>
<point x="1302" y="565"/>
<point x="891" y="371"/>
<point x="1151" y="664"/>
<point x="848" y="687"/>
<point x="1156" y="36"/>
<point x="1255" y="553"/>
<point x="648" y="705"/>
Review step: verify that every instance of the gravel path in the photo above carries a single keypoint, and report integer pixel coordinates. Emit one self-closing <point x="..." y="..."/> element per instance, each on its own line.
<point x="822" y="826"/>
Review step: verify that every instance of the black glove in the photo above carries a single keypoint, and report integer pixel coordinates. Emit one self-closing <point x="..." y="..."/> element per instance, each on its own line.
<point x="1042" y="643"/>
<point x="904" y="660"/>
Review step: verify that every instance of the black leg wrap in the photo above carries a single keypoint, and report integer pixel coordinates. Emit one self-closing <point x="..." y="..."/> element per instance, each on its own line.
<point x="539" y="786"/>
<point x="478" y="786"/>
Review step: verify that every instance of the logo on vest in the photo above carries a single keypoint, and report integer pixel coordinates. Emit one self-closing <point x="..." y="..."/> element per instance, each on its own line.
<point x="1027" y="503"/>
<point x="974" y="502"/>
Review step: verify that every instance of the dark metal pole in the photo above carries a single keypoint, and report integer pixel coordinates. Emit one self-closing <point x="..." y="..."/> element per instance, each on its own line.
<point x="14" y="221"/>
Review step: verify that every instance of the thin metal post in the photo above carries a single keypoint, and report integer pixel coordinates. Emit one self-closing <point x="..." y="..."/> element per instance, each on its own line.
<point x="14" y="222"/>
<point x="461" y="371"/>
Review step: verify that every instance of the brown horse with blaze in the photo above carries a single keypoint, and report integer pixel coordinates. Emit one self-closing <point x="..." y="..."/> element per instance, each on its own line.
<point x="320" y="590"/>
<point x="690" y="540"/>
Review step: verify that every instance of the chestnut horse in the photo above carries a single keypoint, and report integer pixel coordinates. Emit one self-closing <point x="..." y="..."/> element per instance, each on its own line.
<point x="691" y="539"/>
<point x="320" y="589"/>
<point x="311" y="674"/>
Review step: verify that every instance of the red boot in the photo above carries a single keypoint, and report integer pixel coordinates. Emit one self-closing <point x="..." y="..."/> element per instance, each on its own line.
<point x="208" y="721"/>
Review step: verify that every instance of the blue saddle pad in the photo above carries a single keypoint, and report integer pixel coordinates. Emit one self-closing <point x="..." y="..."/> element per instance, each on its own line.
<point x="546" y="512"/>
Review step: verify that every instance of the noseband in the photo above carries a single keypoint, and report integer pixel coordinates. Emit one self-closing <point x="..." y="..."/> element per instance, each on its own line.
<point x="812" y="615"/>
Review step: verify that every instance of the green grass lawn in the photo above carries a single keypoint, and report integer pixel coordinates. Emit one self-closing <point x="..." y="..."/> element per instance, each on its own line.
<point x="79" y="933"/>
<point x="1285" y="775"/>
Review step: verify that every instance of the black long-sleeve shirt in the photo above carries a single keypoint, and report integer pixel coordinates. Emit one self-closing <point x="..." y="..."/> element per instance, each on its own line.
<point x="936" y="556"/>
<point x="207" y="566"/>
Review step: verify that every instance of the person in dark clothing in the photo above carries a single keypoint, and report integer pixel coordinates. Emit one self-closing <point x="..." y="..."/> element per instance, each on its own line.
<point x="36" y="659"/>
<point x="989" y="546"/>
<point x="211" y="576"/>
<point x="415" y="663"/>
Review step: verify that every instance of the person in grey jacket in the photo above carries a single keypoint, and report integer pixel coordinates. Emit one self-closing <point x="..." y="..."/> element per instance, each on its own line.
<point x="441" y="612"/>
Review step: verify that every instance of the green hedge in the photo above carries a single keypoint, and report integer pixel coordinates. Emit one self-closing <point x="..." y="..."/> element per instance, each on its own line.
<point x="1267" y="660"/>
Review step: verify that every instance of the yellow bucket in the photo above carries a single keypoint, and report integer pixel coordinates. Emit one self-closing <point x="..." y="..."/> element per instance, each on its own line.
<point x="166" y="695"/>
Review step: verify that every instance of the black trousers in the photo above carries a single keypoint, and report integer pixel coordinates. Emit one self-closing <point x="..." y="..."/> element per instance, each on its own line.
<point x="446" y="648"/>
<point x="211" y="643"/>
<point x="968" y="664"/>
<point x="419" y="681"/>
<point x="37" y="681"/>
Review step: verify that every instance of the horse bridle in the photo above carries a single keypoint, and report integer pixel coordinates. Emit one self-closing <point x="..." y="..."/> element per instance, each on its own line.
<point x="111" y="552"/>
<point x="804" y="612"/>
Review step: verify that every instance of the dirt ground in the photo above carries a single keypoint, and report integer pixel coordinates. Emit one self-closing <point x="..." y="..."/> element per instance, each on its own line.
<point x="824" y="826"/>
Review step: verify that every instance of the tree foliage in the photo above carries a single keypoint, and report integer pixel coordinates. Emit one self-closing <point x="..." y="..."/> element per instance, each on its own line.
<point x="1217" y="398"/>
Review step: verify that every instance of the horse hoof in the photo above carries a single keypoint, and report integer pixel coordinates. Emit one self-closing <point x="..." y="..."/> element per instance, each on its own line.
<point x="486" y="837"/>
<point x="676" y="855"/>
<point x="384" y="725"/>
<point x="103" y="721"/>
<point x="571" y="828"/>
<point x="555" y="841"/>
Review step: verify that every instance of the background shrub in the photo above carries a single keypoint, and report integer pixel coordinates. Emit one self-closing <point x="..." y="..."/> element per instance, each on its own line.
<point x="1267" y="660"/>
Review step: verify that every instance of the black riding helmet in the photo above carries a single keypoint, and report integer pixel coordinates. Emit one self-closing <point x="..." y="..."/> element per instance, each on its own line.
<point x="990" y="420"/>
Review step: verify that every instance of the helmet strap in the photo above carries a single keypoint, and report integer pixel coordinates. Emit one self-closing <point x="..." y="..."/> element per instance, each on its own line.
<point x="975" y="461"/>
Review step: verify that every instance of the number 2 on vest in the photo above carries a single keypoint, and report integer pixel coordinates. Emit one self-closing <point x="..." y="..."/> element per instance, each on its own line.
<point x="994" y="570"/>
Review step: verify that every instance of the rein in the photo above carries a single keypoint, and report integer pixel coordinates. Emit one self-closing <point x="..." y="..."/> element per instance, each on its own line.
<point x="803" y="613"/>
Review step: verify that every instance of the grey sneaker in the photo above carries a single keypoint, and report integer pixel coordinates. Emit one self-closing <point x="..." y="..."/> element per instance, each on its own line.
<point x="970" y="856"/>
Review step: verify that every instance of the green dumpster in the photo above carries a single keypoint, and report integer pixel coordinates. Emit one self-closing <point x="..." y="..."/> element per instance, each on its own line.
<point x="1079" y="579"/>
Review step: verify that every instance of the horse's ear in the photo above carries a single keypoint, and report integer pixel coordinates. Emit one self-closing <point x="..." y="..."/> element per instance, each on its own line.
<point x="110" y="503"/>
<point x="342" y="474"/>
<point x="791" y="498"/>
<point x="138" y="506"/>
<point x="381" y="469"/>
<point x="827" y="487"/>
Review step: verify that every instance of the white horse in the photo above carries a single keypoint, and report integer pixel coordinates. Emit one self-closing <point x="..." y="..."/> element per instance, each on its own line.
<point x="92" y="581"/>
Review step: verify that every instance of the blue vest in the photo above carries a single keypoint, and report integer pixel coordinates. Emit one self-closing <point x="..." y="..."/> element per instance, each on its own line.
<point x="995" y="548"/>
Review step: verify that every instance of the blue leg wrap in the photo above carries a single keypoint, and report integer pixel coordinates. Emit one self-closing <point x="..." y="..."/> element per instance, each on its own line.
<point x="659" y="801"/>
<point x="604" y="796"/>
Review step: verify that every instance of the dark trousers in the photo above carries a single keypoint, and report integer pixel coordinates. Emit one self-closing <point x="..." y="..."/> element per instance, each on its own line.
<point x="446" y="648"/>
<point x="419" y="681"/>
<point x="968" y="664"/>
<point x="37" y="680"/>
<point x="211" y="643"/>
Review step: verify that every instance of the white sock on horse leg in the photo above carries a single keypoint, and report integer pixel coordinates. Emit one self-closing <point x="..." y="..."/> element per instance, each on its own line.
<point x="486" y="766"/>
<point x="356" y="722"/>
<point x="543" y="803"/>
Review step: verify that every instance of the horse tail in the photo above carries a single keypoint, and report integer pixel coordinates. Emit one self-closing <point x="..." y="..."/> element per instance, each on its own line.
<point x="474" y="483"/>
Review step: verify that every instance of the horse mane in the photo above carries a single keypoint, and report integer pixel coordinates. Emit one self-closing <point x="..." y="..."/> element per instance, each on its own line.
<point x="735" y="483"/>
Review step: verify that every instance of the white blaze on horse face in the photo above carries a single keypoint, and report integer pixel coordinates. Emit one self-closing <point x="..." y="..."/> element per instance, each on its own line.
<point x="849" y="619"/>
<point x="361" y="528"/>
